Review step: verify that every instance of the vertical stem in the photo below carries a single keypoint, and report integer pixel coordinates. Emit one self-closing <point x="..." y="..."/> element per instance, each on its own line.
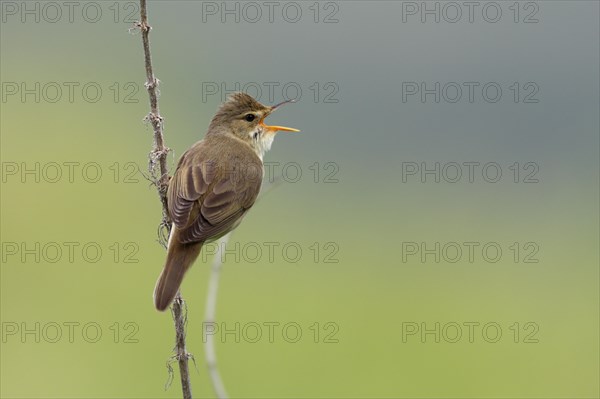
<point x="157" y="167"/>
<point x="158" y="155"/>
<point x="182" y="355"/>
<point x="211" y="309"/>
<point x="210" y="317"/>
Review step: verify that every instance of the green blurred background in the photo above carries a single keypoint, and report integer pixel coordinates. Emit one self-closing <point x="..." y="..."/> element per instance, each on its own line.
<point x="360" y="209"/>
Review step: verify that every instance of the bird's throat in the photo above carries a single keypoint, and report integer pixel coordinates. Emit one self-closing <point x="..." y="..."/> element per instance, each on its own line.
<point x="263" y="144"/>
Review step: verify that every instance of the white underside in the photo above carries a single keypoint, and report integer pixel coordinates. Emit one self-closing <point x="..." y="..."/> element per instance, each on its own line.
<point x="263" y="144"/>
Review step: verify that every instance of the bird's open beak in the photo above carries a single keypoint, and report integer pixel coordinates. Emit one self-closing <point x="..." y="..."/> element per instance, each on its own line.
<point x="278" y="128"/>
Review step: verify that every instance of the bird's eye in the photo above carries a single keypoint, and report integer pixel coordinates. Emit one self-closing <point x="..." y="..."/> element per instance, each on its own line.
<point x="250" y="117"/>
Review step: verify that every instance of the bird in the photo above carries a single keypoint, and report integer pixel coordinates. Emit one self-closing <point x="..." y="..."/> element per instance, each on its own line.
<point x="216" y="182"/>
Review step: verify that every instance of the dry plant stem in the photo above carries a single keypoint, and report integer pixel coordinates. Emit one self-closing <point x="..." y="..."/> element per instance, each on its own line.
<point x="211" y="307"/>
<point x="182" y="355"/>
<point x="158" y="155"/>
<point x="158" y="158"/>
<point x="209" y="318"/>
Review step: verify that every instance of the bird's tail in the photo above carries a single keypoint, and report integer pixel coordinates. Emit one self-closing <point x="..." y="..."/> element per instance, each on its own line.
<point x="179" y="259"/>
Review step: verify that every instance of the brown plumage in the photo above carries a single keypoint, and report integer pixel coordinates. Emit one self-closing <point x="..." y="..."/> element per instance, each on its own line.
<point x="216" y="182"/>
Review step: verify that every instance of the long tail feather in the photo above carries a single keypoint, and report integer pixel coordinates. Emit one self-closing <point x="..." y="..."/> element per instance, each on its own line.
<point x="179" y="259"/>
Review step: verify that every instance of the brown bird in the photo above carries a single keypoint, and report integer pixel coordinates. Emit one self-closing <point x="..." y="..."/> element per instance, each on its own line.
<point x="215" y="184"/>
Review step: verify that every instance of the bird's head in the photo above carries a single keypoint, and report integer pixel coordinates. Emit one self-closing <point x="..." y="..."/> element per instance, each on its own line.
<point x="244" y="117"/>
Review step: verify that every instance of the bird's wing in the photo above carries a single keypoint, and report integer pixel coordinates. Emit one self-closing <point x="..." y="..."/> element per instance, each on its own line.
<point x="207" y="197"/>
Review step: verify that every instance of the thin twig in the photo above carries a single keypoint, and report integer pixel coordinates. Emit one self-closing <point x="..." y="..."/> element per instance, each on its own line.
<point x="210" y="312"/>
<point x="180" y="316"/>
<point x="157" y="168"/>
<point x="209" y="318"/>
<point x="157" y="165"/>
